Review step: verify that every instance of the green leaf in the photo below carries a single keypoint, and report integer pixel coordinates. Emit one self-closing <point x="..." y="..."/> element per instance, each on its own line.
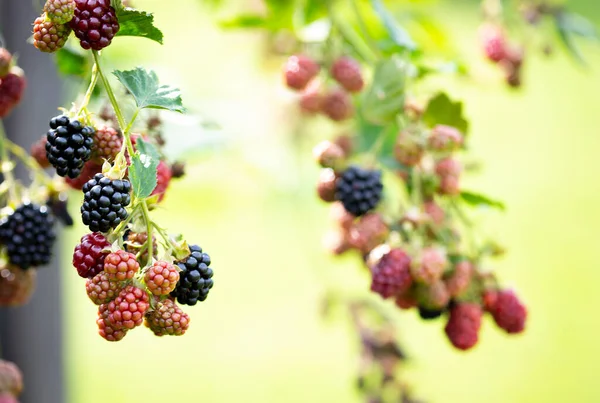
<point x="71" y="63"/>
<point x="441" y="110"/>
<point x="385" y="98"/>
<point x="138" y="23"/>
<point x="245" y="21"/>
<point x="479" y="200"/>
<point x="143" y="169"/>
<point x="570" y="25"/>
<point x="143" y="85"/>
<point x="398" y="34"/>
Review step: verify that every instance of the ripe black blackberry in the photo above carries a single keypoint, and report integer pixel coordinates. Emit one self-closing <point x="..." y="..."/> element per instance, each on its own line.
<point x="104" y="202"/>
<point x="430" y="314"/>
<point x="359" y="190"/>
<point x="69" y="145"/>
<point x="195" y="278"/>
<point x="28" y="235"/>
<point x="95" y="23"/>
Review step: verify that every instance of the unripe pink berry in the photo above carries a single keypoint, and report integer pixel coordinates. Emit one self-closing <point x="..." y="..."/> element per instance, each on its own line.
<point x="445" y="138"/>
<point x="328" y="154"/>
<point x="346" y="71"/>
<point x="299" y="70"/>
<point x="337" y="105"/>
<point x="493" y="40"/>
<point x="326" y="185"/>
<point x="430" y="264"/>
<point x="409" y="149"/>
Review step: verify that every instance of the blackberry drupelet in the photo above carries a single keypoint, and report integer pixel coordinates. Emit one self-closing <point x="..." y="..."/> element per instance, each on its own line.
<point x="95" y="23"/>
<point x="195" y="278"/>
<point x="104" y="202"/>
<point x="359" y="190"/>
<point x="28" y="235"/>
<point x="69" y="145"/>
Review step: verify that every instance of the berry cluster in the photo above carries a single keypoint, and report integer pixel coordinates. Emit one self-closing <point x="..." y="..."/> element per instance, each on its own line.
<point x="131" y="290"/>
<point x="94" y="23"/>
<point x="11" y="382"/>
<point x="498" y="50"/>
<point x="12" y="83"/>
<point x="316" y="96"/>
<point x="416" y="251"/>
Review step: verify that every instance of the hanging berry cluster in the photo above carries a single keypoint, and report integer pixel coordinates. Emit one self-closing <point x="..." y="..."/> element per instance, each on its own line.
<point x="135" y="271"/>
<point x="27" y="214"/>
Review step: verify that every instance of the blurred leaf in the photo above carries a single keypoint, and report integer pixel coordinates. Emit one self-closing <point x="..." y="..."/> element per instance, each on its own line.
<point x="138" y="23"/>
<point x="569" y="25"/>
<point x="478" y="200"/>
<point x="70" y="62"/>
<point x="313" y="10"/>
<point x="245" y="21"/>
<point x="396" y="32"/>
<point x="143" y="169"/>
<point x="143" y="85"/>
<point x="385" y="98"/>
<point x="441" y="110"/>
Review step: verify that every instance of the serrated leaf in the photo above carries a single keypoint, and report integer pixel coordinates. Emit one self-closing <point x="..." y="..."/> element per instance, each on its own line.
<point x="385" y="98"/>
<point x="478" y="200"/>
<point x="71" y="63"/>
<point x="143" y="169"/>
<point x="441" y="110"/>
<point x="396" y="32"/>
<point x="138" y="23"/>
<point x="143" y="85"/>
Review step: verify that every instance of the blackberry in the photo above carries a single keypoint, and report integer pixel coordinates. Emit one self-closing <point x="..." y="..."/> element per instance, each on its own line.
<point x="69" y="145"/>
<point x="95" y="23"/>
<point x="430" y="314"/>
<point x="359" y="190"/>
<point x="104" y="202"/>
<point x="28" y="235"/>
<point x="195" y="278"/>
<point x="167" y="319"/>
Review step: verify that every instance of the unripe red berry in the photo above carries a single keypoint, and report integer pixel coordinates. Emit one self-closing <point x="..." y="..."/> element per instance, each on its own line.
<point x="367" y="232"/>
<point x="337" y="105"/>
<point x="128" y="309"/>
<point x="434" y="212"/>
<point x="49" y="36"/>
<point x="101" y="290"/>
<point x="434" y="296"/>
<point x="311" y="98"/>
<point x="326" y="185"/>
<point x="121" y="266"/>
<point x="299" y="70"/>
<point x="95" y="23"/>
<point x="391" y="275"/>
<point x="346" y="71"/>
<point x="460" y="279"/>
<point x="107" y="144"/>
<point x="345" y="142"/>
<point x="463" y="325"/>
<point x="508" y="312"/>
<point x="135" y="243"/>
<point x="16" y="285"/>
<point x="89" y="254"/>
<point x="448" y="170"/>
<point x="161" y="278"/>
<point x="445" y="138"/>
<point x="493" y="40"/>
<point x="167" y="319"/>
<point x="408" y="149"/>
<point x="106" y="329"/>
<point x="11" y="379"/>
<point x="429" y="266"/>
<point x="406" y="300"/>
<point x="163" y="179"/>
<point x="328" y="154"/>
<point x="12" y="87"/>
<point x="38" y="152"/>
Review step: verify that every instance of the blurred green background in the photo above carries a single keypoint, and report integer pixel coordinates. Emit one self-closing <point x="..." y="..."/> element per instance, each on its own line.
<point x="248" y="200"/>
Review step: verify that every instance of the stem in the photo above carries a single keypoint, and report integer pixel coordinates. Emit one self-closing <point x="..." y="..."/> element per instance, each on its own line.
<point x="28" y="161"/>
<point x="4" y="164"/>
<point x="109" y="92"/>
<point x="90" y="90"/>
<point x="149" y="226"/>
